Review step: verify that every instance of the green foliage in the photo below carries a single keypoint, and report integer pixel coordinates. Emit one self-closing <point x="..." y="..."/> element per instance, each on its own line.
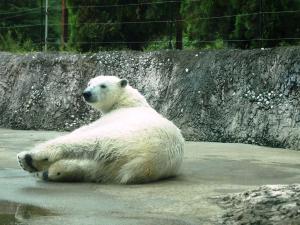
<point x="22" y="28"/>
<point x="199" y="28"/>
<point x="94" y="28"/>
<point x="217" y="44"/>
<point x="208" y="24"/>
<point x="16" y="43"/>
<point x="161" y="44"/>
<point x="54" y="26"/>
<point x="249" y="28"/>
<point x="15" y="13"/>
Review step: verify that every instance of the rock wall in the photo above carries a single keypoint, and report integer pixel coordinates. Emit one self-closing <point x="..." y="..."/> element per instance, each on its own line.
<point x="228" y="96"/>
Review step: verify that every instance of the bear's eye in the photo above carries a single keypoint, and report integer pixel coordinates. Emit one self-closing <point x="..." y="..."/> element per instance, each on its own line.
<point x="103" y="86"/>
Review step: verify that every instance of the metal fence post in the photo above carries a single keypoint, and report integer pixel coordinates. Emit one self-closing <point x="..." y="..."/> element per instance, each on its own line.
<point x="46" y="25"/>
<point x="41" y="27"/>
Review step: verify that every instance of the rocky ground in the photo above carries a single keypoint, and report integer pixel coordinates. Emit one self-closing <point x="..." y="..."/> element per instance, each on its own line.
<point x="218" y="184"/>
<point x="266" y="205"/>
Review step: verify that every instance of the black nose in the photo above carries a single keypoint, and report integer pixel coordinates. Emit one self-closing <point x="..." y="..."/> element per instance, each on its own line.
<point x="87" y="95"/>
<point x="45" y="175"/>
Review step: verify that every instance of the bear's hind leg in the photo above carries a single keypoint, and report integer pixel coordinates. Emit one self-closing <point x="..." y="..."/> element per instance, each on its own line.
<point x="138" y="170"/>
<point x="44" y="155"/>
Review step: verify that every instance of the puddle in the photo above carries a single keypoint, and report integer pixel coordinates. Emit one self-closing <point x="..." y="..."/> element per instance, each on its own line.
<point x="13" y="213"/>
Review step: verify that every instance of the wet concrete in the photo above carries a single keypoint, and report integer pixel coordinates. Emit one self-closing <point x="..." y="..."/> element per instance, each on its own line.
<point x="209" y="170"/>
<point x="13" y="213"/>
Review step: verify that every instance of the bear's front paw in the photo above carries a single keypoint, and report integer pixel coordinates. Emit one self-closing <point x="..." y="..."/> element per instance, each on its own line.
<point x="31" y="162"/>
<point x="25" y="161"/>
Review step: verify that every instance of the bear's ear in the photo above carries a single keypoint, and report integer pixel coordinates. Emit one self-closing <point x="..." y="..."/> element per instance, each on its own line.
<point x="123" y="83"/>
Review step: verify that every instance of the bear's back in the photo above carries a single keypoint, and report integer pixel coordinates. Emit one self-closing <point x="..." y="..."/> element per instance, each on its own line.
<point x="129" y="122"/>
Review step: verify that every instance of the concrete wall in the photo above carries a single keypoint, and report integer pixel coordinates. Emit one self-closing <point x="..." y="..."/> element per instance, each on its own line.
<point x="228" y="96"/>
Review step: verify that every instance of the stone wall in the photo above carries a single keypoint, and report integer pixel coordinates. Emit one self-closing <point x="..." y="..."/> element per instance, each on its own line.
<point x="228" y="96"/>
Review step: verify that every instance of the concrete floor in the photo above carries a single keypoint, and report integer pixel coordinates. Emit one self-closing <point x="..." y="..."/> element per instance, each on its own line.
<point x="209" y="170"/>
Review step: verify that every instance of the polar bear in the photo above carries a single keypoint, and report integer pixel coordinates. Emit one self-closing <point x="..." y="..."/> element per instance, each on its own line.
<point x="130" y="143"/>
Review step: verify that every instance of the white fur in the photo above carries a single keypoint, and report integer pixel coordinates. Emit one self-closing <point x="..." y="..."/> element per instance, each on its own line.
<point x="130" y="143"/>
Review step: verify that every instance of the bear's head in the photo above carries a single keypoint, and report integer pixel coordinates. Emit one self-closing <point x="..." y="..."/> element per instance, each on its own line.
<point x="104" y="92"/>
